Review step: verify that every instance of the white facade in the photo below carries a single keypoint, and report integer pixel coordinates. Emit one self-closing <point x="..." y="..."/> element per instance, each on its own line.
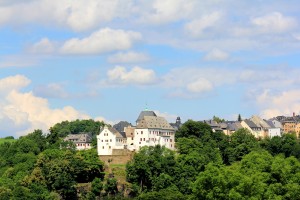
<point x="109" y="139"/>
<point x="274" y="132"/>
<point x="152" y="137"/>
<point x="150" y="131"/>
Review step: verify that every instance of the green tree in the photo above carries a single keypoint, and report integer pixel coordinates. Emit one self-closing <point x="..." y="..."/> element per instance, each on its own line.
<point x="193" y="129"/>
<point x="218" y="119"/>
<point x="239" y="118"/>
<point x="241" y="143"/>
<point x="148" y="164"/>
<point x="111" y="186"/>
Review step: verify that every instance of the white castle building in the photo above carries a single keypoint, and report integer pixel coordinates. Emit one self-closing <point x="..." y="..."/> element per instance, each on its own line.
<point x="150" y="130"/>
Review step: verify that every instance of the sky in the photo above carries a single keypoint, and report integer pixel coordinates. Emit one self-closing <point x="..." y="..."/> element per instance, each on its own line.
<point x="110" y="59"/>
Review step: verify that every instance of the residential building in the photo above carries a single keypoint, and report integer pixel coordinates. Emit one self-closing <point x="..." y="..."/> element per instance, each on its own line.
<point x="231" y="127"/>
<point x="152" y="130"/>
<point x="109" y="139"/>
<point x="273" y="130"/>
<point x="82" y="141"/>
<point x="253" y="128"/>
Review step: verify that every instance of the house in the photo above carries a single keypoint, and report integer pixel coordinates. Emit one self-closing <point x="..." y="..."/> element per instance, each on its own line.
<point x="152" y="130"/>
<point x="231" y="127"/>
<point x="256" y="130"/>
<point x="82" y="141"/>
<point x="109" y="139"/>
<point x="213" y="125"/>
<point x="129" y="132"/>
<point x="121" y="126"/>
<point x="273" y="130"/>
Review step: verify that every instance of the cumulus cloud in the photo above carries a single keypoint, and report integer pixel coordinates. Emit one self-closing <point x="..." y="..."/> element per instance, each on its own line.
<point x="216" y="55"/>
<point x="199" y="86"/>
<point x="104" y="40"/>
<point x="77" y="15"/>
<point x="171" y="118"/>
<point x="128" y="57"/>
<point x="44" y="46"/>
<point x="187" y="81"/>
<point x="22" y="112"/>
<point x="197" y="27"/>
<point x="137" y="75"/>
<point x="274" y="22"/>
<point x="283" y="103"/>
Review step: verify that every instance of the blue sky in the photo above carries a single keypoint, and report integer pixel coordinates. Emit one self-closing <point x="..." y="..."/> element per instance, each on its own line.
<point x="107" y="60"/>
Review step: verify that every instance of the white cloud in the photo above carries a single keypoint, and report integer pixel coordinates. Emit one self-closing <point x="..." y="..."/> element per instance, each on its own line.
<point x="137" y="75"/>
<point x="128" y="57"/>
<point x="171" y="118"/>
<point x="44" y="46"/>
<point x="283" y="103"/>
<point x="216" y="55"/>
<point x="104" y="40"/>
<point x="13" y="83"/>
<point x="199" y="86"/>
<point x="274" y="22"/>
<point x="77" y="15"/>
<point x="197" y="27"/>
<point x="22" y="112"/>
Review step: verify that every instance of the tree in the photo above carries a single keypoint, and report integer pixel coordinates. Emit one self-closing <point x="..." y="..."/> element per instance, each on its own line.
<point x="239" y="118"/>
<point x="193" y="129"/>
<point x="241" y="143"/>
<point x="111" y="186"/>
<point x="148" y="164"/>
<point x="218" y="119"/>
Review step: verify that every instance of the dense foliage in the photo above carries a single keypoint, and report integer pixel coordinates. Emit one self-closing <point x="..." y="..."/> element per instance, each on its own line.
<point x="39" y="166"/>
<point x="205" y="165"/>
<point x="211" y="165"/>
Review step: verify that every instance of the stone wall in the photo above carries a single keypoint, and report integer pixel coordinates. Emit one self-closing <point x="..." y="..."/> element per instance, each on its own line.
<point x="120" y="156"/>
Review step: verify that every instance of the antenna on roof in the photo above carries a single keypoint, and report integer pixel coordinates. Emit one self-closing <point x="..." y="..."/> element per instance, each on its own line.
<point x="146" y="108"/>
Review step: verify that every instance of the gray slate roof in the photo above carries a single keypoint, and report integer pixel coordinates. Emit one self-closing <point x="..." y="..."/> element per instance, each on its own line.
<point x="79" y="138"/>
<point x="154" y="122"/>
<point x="270" y="123"/>
<point x="251" y="124"/>
<point x="121" y="125"/>
<point x="145" y="113"/>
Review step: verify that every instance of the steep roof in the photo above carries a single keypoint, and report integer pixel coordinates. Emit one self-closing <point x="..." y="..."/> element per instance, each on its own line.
<point x="154" y="122"/>
<point x="270" y="123"/>
<point x="83" y="137"/>
<point x="114" y="131"/>
<point x="145" y="113"/>
<point x="251" y="124"/>
<point x="121" y="125"/>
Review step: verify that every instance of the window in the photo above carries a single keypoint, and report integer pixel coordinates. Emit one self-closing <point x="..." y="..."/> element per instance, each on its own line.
<point x="141" y="139"/>
<point x="139" y="142"/>
<point x="110" y="140"/>
<point x="170" y="140"/>
<point x="102" y="147"/>
<point x="171" y="145"/>
<point x="132" y="138"/>
<point x="101" y="140"/>
<point x="144" y="139"/>
<point x="141" y="132"/>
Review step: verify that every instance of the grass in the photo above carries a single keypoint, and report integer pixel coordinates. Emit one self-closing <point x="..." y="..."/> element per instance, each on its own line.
<point x="119" y="171"/>
<point x="3" y="140"/>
